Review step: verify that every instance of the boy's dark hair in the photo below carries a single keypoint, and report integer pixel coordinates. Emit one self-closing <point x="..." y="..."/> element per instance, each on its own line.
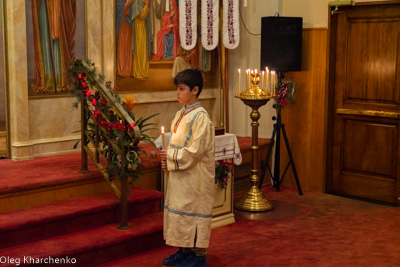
<point x="190" y="77"/>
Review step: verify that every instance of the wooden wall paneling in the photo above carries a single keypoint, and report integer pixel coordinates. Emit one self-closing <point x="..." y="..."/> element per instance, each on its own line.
<point x="305" y="120"/>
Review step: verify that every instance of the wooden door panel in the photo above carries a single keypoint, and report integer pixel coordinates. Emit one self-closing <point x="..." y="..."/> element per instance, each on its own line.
<point x="369" y="148"/>
<point x="372" y="60"/>
<point x="368" y="187"/>
<point x="366" y="102"/>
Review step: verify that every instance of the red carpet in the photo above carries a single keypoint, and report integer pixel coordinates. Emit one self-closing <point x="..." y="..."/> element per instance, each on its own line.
<point x="83" y="229"/>
<point x="17" y="176"/>
<point x="311" y="230"/>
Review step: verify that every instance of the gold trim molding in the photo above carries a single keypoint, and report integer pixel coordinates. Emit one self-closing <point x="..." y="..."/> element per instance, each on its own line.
<point x="369" y="113"/>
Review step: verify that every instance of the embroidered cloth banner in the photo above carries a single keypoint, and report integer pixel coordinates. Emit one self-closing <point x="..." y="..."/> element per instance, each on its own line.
<point x="209" y="23"/>
<point x="230" y="24"/>
<point x="188" y="23"/>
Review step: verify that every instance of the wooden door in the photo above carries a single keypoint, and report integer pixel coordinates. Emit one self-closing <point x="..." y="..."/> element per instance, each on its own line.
<point x="365" y="61"/>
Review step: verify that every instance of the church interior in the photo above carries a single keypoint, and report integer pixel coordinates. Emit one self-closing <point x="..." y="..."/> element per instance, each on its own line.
<point x="311" y="158"/>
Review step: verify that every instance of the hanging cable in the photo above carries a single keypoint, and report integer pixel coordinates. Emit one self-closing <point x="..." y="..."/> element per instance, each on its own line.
<point x="245" y="27"/>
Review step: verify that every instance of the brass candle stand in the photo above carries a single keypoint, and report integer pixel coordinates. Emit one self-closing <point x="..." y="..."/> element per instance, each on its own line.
<point x="254" y="97"/>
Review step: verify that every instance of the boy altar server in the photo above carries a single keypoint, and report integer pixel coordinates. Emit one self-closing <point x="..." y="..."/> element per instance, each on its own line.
<point x="190" y="161"/>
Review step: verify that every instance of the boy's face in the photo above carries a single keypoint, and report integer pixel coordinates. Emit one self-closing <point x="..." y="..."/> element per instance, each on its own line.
<point x="185" y="96"/>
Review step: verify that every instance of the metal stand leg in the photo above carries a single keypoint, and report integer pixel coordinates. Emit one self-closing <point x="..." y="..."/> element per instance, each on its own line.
<point x="276" y="179"/>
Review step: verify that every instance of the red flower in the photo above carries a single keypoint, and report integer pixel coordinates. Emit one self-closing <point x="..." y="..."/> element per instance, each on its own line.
<point x="80" y="76"/>
<point x="284" y="102"/>
<point x="102" y="100"/>
<point x="94" y="102"/>
<point x="96" y="113"/>
<point x="88" y="93"/>
<point x="84" y="85"/>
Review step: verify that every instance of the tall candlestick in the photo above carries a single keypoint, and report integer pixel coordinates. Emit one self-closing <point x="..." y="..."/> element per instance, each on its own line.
<point x="239" y="80"/>
<point x="163" y="137"/>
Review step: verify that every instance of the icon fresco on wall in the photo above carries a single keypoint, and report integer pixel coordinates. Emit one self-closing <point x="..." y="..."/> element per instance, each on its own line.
<point x="147" y="34"/>
<point x="56" y="30"/>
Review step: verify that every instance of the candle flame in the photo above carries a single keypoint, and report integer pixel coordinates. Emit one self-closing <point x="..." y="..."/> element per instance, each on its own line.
<point x="162" y="129"/>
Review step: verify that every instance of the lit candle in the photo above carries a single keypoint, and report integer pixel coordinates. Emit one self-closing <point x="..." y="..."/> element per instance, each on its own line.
<point x="163" y="137"/>
<point x="273" y="82"/>
<point x="164" y="146"/>
<point x="167" y="6"/>
<point x="267" y="79"/>
<point x="262" y="79"/>
<point x="239" y="80"/>
<point x="248" y="79"/>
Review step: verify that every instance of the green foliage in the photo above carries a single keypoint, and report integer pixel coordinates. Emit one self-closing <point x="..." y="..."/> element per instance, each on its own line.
<point x="106" y="128"/>
<point x="222" y="170"/>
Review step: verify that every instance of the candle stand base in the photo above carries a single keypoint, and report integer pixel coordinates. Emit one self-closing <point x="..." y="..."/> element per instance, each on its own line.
<point x="254" y="200"/>
<point x="254" y="97"/>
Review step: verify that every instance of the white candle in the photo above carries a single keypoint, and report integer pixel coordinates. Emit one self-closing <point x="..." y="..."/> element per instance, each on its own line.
<point x="239" y="80"/>
<point x="248" y="79"/>
<point x="245" y="3"/>
<point x="267" y="79"/>
<point x="164" y="146"/>
<point x="163" y="137"/>
<point x="167" y="5"/>
<point x="273" y="81"/>
<point x="251" y="75"/>
<point x="262" y="79"/>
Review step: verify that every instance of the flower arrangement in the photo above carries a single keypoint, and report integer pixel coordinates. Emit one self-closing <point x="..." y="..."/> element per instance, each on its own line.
<point x="113" y="136"/>
<point x="285" y="95"/>
<point x="222" y="170"/>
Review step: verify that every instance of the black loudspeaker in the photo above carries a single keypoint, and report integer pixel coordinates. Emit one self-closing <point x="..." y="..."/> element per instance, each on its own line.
<point x="281" y="43"/>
